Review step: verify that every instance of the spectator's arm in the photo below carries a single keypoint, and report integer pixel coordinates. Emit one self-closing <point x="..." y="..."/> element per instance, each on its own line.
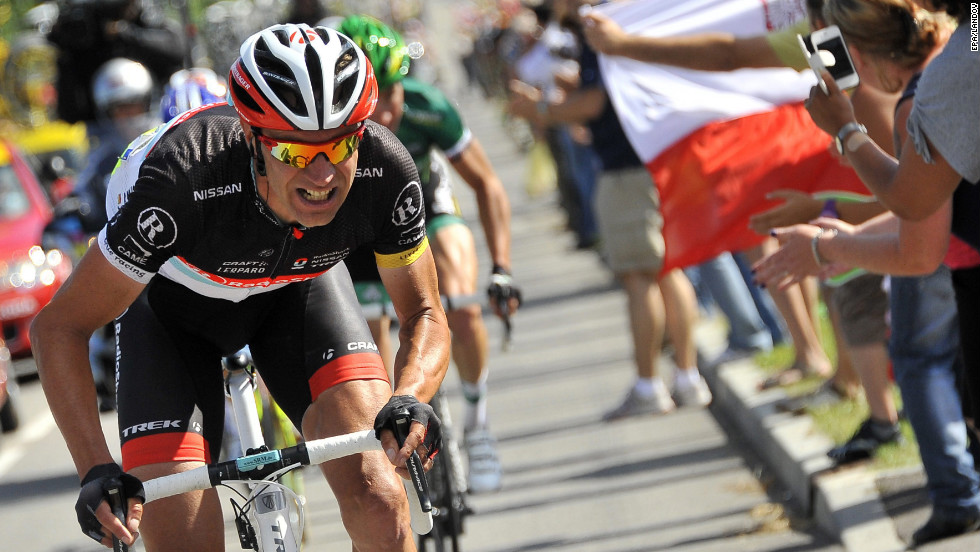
<point x="580" y="106"/>
<point x="704" y="51"/>
<point x="896" y="183"/>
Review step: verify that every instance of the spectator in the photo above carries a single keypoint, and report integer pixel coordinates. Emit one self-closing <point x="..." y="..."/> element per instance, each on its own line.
<point x="723" y="52"/>
<point x="857" y="306"/>
<point x="721" y="281"/>
<point x="549" y="65"/>
<point x="90" y="33"/>
<point x="892" y="41"/>
<point x="628" y="213"/>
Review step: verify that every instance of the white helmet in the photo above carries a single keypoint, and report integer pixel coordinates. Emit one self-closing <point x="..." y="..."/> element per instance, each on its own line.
<point x="294" y="77"/>
<point x="121" y="81"/>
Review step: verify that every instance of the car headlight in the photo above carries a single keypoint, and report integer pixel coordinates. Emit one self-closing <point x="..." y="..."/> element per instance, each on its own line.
<point x="39" y="268"/>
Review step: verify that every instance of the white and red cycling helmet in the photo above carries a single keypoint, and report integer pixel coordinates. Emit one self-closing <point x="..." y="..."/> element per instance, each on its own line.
<point x="297" y="77"/>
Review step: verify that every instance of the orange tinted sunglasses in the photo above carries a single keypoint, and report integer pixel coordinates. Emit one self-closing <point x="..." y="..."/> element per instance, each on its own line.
<point x="301" y="154"/>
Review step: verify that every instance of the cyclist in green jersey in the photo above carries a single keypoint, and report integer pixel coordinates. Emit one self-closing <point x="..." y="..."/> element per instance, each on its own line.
<point x="423" y="119"/>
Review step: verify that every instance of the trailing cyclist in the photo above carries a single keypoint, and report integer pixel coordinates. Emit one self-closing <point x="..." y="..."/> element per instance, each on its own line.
<point x="424" y="119"/>
<point x="227" y="226"/>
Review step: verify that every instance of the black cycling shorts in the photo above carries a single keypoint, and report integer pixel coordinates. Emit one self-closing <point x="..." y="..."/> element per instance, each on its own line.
<point x="305" y="338"/>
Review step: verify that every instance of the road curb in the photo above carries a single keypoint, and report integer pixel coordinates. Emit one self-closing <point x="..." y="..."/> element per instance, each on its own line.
<point x="843" y="503"/>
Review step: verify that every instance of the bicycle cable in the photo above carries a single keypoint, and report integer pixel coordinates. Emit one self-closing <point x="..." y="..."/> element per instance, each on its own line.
<point x="246" y="531"/>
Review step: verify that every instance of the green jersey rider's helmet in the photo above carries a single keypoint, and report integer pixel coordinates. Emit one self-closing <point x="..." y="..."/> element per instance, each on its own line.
<point x="384" y="47"/>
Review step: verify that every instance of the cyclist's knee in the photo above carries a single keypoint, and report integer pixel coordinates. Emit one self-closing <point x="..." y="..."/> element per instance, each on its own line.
<point x="466" y="321"/>
<point x="376" y="514"/>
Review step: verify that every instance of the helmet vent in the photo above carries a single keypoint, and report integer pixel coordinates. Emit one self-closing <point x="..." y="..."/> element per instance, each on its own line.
<point x="242" y="97"/>
<point x="282" y="35"/>
<point x="345" y="81"/>
<point x="279" y="77"/>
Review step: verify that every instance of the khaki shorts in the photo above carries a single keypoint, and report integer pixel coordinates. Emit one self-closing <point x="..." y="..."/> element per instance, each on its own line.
<point x="628" y="211"/>
<point x="862" y="305"/>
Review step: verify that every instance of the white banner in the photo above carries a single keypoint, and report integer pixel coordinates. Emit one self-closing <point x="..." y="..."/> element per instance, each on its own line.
<point x="658" y="104"/>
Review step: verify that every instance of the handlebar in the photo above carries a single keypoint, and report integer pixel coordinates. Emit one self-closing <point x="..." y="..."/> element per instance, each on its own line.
<point x="260" y="465"/>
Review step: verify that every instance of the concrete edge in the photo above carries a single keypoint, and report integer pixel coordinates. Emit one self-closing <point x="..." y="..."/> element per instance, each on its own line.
<point x="843" y="503"/>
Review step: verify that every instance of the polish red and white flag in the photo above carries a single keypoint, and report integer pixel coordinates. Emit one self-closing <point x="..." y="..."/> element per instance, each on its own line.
<point x="717" y="142"/>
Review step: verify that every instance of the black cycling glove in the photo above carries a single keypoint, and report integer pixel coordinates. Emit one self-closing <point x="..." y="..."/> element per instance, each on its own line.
<point x="419" y="412"/>
<point x="502" y="287"/>
<point x="95" y="489"/>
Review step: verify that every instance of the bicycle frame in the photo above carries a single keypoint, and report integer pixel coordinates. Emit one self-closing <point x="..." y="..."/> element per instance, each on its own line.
<point x="273" y="526"/>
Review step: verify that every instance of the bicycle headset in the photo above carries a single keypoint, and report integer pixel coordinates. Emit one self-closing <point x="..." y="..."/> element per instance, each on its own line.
<point x="382" y="45"/>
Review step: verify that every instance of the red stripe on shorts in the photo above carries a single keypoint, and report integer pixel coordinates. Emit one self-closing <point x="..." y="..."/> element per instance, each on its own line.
<point x="357" y="366"/>
<point x="164" y="447"/>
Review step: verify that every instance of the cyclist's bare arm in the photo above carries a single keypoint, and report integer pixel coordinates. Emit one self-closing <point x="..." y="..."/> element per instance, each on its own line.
<point x="474" y="167"/>
<point x="423" y="352"/>
<point x="92" y="297"/>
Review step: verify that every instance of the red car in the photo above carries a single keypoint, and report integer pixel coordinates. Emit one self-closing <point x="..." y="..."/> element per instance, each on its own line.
<point x="29" y="275"/>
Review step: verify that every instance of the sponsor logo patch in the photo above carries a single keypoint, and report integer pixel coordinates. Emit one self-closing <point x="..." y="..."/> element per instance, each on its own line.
<point x="408" y="207"/>
<point x="157" y="227"/>
<point x="217" y="191"/>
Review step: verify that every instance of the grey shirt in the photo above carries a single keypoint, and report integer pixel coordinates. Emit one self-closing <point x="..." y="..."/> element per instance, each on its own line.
<point x="946" y="108"/>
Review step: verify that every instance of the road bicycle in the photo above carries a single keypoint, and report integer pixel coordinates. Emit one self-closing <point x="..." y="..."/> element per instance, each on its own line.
<point x="271" y="516"/>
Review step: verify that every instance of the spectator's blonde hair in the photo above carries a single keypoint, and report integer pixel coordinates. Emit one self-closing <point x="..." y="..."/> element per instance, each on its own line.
<point x="896" y="31"/>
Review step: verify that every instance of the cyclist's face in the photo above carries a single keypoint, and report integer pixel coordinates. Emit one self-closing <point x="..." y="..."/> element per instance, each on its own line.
<point x="391" y="107"/>
<point x="309" y="196"/>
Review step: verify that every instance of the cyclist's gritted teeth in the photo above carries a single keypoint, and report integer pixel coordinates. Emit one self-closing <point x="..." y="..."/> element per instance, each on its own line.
<point x="317" y="196"/>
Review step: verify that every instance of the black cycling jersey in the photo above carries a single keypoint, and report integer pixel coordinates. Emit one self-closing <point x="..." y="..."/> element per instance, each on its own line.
<point x="222" y="272"/>
<point x="183" y="202"/>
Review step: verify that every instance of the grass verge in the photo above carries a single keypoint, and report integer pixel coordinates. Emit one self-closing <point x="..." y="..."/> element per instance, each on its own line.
<point x="839" y="420"/>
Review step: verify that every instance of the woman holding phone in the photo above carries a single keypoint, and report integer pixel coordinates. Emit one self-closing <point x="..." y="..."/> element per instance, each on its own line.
<point x="892" y="41"/>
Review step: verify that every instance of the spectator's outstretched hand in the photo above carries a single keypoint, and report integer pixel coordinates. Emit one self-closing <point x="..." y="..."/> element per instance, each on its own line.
<point x="798" y="207"/>
<point x="795" y="260"/>
<point x="523" y="100"/>
<point x="602" y="33"/>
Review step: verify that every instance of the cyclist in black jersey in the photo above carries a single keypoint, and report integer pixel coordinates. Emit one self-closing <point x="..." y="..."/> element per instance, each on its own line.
<point x="227" y="226"/>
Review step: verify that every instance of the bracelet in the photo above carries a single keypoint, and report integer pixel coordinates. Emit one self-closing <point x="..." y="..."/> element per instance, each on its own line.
<point x="813" y="245"/>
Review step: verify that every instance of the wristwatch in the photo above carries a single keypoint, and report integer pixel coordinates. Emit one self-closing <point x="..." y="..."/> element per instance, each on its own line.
<point x="844" y="132"/>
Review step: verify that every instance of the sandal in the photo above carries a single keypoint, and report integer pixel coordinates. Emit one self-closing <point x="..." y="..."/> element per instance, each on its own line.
<point x="779" y="379"/>
<point x="827" y="393"/>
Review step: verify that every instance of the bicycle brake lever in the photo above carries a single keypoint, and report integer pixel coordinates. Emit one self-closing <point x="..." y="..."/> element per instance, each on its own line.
<point x="402" y="422"/>
<point x="116" y="505"/>
<point x="504" y="306"/>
